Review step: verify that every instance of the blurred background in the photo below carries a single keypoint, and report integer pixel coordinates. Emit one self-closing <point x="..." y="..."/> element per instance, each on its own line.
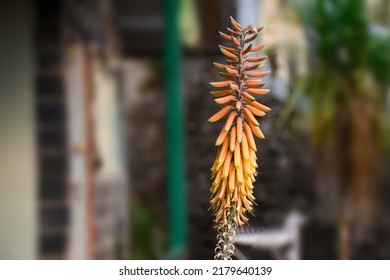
<point x="105" y="149"/>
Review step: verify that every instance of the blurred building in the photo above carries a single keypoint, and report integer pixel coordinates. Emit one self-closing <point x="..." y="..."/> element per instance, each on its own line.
<point x="62" y="182"/>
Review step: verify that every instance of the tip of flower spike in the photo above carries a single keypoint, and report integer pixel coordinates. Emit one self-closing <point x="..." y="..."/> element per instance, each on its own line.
<point x="235" y="24"/>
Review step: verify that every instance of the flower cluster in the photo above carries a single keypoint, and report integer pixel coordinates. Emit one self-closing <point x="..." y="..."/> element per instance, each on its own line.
<point x="234" y="169"/>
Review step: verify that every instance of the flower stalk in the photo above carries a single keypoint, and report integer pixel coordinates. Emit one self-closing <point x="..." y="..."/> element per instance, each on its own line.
<point x="224" y="249"/>
<point x="234" y="168"/>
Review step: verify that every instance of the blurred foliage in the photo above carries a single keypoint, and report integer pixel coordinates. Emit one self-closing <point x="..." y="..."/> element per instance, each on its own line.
<point x="379" y="61"/>
<point x="149" y="240"/>
<point x="348" y="56"/>
<point x="189" y="23"/>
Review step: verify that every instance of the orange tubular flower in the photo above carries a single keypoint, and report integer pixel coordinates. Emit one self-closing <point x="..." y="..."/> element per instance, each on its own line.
<point x="234" y="169"/>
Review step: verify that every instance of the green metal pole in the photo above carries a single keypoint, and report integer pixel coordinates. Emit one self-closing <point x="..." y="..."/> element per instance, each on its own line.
<point x="175" y="132"/>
